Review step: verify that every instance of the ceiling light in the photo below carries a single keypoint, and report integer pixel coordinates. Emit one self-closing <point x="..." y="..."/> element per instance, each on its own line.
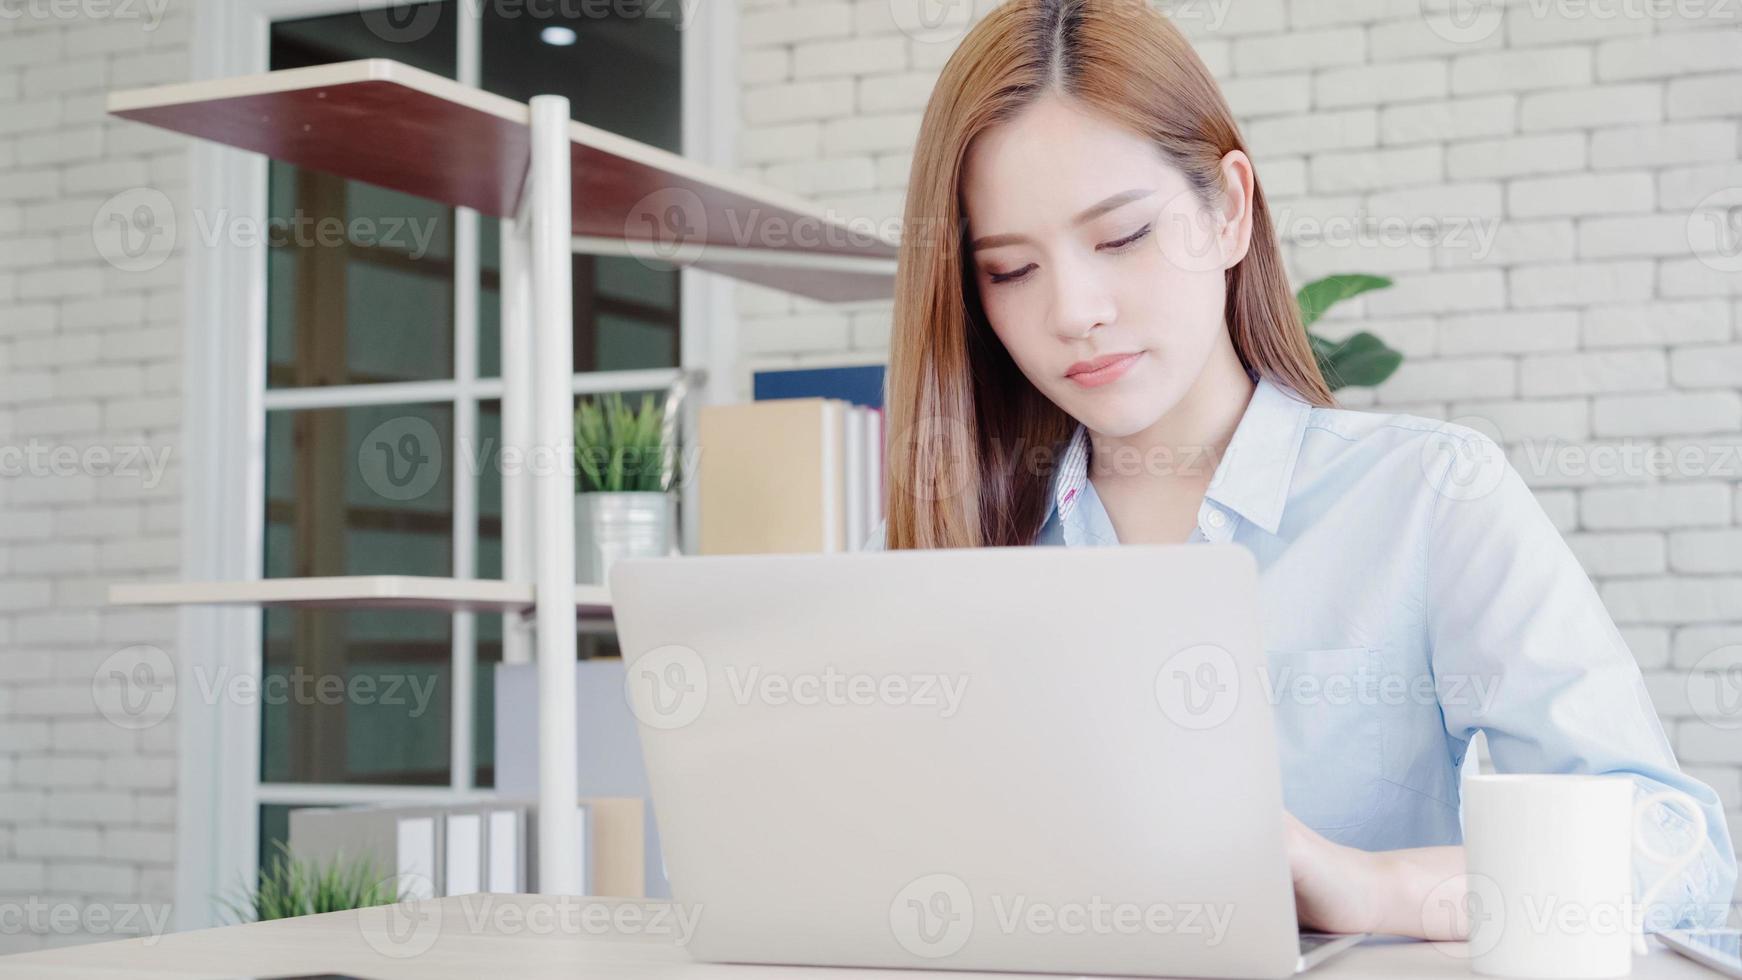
<point x="560" y="37"/>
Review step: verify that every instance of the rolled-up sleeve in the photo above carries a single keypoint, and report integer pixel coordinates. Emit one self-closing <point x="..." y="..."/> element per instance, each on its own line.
<point x="1511" y="613"/>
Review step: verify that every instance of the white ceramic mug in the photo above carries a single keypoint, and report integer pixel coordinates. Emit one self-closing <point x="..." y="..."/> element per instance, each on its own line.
<point x="1549" y="861"/>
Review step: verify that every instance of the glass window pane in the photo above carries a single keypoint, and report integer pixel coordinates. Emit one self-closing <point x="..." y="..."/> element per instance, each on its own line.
<point x="357" y="695"/>
<point x="612" y="43"/>
<point x="360" y="285"/>
<point x="609" y="42"/>
<point x="626" y="315"/>
<point x="422" y="35"/>
<point x="274" y="829"/>
<point x="594" y="640"/>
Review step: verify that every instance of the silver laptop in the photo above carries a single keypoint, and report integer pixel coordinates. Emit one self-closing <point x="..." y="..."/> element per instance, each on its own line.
<point x="1031" y="759"/>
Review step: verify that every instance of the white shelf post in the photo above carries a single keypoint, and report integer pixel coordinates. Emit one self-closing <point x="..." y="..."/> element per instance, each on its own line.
<point x="549" y="223"/>
<point x="517" y="398"/>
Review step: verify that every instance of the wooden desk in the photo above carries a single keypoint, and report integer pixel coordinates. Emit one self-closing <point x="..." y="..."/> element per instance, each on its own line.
<point x="531" y="937"/>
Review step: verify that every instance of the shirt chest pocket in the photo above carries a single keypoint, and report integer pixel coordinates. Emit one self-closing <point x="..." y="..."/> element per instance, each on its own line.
<point x="1330" y="734"/>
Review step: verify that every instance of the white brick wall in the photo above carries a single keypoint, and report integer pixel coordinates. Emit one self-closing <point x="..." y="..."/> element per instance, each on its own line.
<point x="89" y="364"/>
<point x="1602" y="321"/>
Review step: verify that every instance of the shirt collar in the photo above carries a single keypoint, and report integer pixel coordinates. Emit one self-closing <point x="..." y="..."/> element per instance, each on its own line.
<point x="1251" y="478"/>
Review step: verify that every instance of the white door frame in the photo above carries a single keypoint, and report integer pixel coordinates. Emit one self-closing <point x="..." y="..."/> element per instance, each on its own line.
<point x="224" y="436"/>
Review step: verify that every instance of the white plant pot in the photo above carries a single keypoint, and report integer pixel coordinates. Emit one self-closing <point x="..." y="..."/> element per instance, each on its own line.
<point x="609" y="526"/>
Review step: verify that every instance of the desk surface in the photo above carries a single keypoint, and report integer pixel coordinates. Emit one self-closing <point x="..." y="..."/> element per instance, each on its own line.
<point x="534" y="937"/>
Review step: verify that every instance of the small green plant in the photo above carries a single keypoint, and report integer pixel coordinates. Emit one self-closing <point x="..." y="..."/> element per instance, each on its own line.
<point x="290" y="886"/>
<point x="618" y="449"/>
<point x="1360" y="359"/>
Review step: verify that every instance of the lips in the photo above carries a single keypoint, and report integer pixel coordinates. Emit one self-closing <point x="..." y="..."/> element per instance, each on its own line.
<point x="1099" y="363"/>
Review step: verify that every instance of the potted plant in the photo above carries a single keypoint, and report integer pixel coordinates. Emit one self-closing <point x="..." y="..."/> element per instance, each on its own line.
<point x="1360" y="359"/>
<point x="625" y="470"/>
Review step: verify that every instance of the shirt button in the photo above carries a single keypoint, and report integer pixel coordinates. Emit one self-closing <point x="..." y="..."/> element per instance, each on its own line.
<point x="1217" y="518"/>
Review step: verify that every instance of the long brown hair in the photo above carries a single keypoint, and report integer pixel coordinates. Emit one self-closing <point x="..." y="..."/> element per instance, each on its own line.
<point x="962" y="420"/>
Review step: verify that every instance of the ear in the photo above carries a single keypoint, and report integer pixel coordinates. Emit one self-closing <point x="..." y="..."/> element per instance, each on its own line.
<point x="1236" y="211"/>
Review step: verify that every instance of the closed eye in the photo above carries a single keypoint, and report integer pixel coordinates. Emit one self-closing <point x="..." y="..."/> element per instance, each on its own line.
<point x="1117" y="246"/>
<point x="1132" y="239"/>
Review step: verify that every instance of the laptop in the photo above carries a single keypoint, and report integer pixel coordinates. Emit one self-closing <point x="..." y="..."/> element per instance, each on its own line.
<point x="1015" y="759"/>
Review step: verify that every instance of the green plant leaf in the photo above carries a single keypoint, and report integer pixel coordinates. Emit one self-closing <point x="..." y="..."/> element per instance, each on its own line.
<point x="287" y="886"/>
<point x="1361" y="359"/>
<point x="619" y="447"/>
<point x="1320" y="295"/>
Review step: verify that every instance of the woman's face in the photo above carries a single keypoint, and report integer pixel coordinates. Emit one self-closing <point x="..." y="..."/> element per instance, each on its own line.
<point x="1086" y="244"/>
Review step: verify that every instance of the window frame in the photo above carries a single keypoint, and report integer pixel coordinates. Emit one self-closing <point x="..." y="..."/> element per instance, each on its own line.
<point x="225" y="405"/>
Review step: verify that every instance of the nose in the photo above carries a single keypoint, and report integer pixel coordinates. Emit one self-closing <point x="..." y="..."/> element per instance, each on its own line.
<point x="1082" y="301"/>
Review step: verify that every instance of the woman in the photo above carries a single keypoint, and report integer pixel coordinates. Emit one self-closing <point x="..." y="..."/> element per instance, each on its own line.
<point x="1102" y="348"/>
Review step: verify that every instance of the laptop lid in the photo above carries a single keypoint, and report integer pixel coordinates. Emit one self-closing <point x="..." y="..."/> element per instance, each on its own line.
<point x="1038" y="759"/>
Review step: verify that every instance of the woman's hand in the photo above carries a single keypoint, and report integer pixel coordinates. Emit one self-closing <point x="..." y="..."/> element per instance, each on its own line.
<point x="1336" y="888"/>
<point x="1416" y="891"/>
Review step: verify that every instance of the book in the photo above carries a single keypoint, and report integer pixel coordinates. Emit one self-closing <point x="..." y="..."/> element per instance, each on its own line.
<point x="771" y="477"/>
<point x="795" y="482"/>
<point x="860" y="384"/>
<point x="854" y="466"/>
<point x="463" y="871"/>
<point x="505" y="869"/>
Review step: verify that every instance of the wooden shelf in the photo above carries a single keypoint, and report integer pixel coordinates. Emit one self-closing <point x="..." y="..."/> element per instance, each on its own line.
<point x="357" y="592"/>
<point x="409" y="130"/>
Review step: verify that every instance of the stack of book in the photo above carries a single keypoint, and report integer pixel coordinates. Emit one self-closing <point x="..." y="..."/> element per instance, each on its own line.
<point x="788" y="475"/>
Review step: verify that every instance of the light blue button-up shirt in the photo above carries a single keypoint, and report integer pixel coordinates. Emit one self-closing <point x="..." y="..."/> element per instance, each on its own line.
<point x="1413" y="592"/>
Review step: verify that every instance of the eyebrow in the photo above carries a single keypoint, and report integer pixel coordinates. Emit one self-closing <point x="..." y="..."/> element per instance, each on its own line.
<point x="1118" y="200"/>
